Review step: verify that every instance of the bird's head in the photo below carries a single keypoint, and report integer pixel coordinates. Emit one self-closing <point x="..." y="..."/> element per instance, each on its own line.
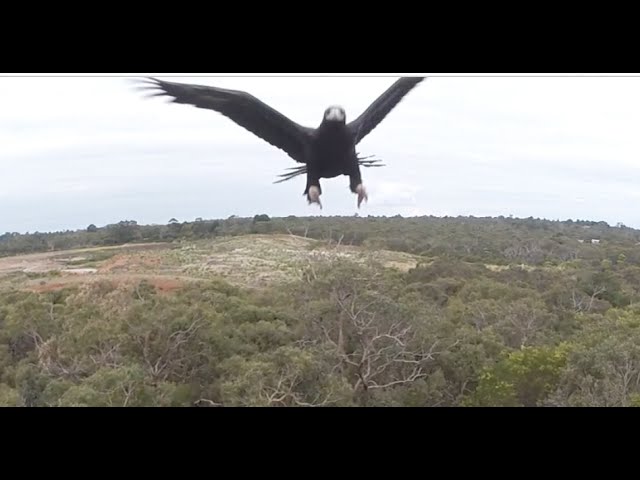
<point x="335" y="113"/>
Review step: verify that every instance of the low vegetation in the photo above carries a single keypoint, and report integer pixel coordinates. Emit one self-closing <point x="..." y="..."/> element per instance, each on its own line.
<point x="322" y="312"/>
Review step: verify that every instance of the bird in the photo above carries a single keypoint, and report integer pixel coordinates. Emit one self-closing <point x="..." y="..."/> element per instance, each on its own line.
<point x="326" y="151"/>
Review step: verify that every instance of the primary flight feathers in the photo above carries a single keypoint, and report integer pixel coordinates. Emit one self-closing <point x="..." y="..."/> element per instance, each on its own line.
<point x="244" y="109"/>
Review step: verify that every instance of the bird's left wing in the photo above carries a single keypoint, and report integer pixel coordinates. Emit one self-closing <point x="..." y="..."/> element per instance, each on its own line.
<point x="244" y="109"/>
<point x="380" y="108"/>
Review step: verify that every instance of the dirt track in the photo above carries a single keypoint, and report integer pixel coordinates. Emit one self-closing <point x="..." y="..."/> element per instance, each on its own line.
<point x="58" y="260"/>
<point x="121" y="264"/>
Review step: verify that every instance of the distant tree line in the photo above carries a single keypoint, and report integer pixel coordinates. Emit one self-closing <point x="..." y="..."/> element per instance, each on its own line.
<point x="500" y="240"/>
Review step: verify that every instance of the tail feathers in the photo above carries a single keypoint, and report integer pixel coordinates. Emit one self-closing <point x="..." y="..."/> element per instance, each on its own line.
<point x="367" y="162"/>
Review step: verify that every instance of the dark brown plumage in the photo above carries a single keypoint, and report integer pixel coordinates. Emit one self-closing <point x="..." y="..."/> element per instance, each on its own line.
<point x="327" y="151"/>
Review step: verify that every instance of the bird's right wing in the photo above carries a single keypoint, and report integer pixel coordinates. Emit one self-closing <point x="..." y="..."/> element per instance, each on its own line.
<point x="244" y="109"/>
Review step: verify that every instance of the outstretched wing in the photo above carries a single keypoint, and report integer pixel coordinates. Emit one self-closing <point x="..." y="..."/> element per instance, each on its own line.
<point x="242" y="108"/>
<point x="380" y="108"/>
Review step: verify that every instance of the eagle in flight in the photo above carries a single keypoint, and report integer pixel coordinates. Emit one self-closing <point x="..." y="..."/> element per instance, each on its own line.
<point x="327" y="151"/>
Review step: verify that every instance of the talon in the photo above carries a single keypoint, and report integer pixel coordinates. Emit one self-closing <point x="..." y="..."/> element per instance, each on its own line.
<point x="362" y="194"/>
<point x="314" y="196"/>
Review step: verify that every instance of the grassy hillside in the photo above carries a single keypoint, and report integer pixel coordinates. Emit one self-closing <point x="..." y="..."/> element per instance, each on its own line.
<point x="323" y="311"/>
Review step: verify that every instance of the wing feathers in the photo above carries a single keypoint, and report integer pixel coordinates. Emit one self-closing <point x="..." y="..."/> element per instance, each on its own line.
<point x="242" y="108"/>
<point x="382" y="106"/>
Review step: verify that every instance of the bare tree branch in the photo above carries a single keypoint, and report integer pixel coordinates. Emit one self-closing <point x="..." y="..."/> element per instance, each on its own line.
<point x="380" y="351"/>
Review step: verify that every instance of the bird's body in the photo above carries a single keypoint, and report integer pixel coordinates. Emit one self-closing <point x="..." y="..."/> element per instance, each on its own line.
<point x="327" y="151"/>
<point x="332" y="153"/>
<point x="332" y="150"/>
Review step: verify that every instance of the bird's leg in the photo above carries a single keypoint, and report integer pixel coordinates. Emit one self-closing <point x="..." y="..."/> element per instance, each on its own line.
<point x="362" y="194"/>
<point x="313" y="195"/>
<point x="313" y="191"/>
<point x="356" y="186"/>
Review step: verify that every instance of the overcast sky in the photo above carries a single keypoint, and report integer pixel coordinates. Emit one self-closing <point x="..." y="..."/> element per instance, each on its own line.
<point x="75" y="151"/>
